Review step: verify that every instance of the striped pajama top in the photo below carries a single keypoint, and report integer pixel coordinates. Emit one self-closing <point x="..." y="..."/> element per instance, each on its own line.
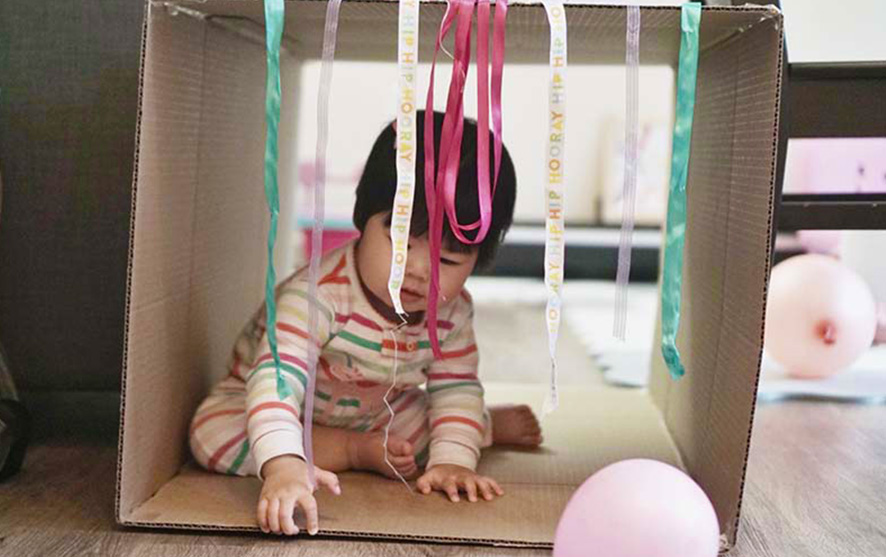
<point x="358" y="347"/>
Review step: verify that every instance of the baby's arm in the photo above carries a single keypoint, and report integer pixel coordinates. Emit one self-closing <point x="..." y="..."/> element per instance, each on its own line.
<point x="456" y="421"/>
<point x="274" y="426"/>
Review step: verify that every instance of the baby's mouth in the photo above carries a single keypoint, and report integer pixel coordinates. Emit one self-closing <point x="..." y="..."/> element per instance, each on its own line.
<point x="410" y="294"/>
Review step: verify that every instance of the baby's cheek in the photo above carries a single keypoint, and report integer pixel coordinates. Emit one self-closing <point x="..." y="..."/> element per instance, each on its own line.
<point x="454" y="281"/>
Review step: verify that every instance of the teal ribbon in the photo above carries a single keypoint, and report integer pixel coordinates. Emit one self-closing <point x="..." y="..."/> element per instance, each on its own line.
<point x="675" y="235"/>
<point x="274" y="12"/>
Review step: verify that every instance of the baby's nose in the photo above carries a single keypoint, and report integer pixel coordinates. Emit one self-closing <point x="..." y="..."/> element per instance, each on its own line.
<point x="417" y="263"/>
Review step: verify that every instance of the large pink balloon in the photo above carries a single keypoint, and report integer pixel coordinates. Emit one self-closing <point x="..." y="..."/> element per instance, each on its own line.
<point x="820" y="317"/>
<point x="638" y="508"/>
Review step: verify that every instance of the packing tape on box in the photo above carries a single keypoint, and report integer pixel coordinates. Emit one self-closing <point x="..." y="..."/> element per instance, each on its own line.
<point x="555" y="148"/>
<point x="401" y="212"/>
<point x="629" y="189"/>
<point x="441" y="182"/>
<point x="675" y="230"/>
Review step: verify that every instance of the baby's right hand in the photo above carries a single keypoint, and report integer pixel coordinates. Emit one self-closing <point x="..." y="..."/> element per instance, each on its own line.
<point x="285" y="486"/>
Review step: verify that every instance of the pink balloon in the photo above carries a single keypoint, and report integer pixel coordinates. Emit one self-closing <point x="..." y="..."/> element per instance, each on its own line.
<point x="638" y="508"/>
<point x="820" y="241"/>
<point x="820" y="317"/>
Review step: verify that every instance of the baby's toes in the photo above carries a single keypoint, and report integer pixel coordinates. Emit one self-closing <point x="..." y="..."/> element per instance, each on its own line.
<point x="532" y="440"/>
<point x="532" y="428"/>
<point x="526" y="413"/>
<point x="402" y="462"/>
<point x="409" y="472"/>
<point x="399" y="447"/>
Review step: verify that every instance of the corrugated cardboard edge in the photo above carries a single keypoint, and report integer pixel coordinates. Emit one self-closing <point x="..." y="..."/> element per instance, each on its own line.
<point x="728" y="544"/>
<point x="344" y="535"/>
<point x="127" y="305"/>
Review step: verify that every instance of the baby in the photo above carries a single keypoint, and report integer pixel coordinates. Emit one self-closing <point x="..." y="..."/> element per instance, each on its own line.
<point x="440" y="421"/>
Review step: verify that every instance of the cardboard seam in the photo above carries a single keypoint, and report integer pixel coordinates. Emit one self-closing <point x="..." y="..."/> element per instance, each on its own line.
<point x="768" y="12"/>
<point x="768" y="260"/>
<point x="195" y="200"/>
<point x="239" y="26"/>
<point x="127" y="306"/>
<point x="724" y="266"/>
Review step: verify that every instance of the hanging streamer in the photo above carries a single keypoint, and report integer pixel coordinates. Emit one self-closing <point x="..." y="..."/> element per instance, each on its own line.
<point x="554" y="190"/>
<point x="396" y="340"/>
<point x="672" y="274"/>
<point x="329" y="34"/>
<point x="273" y="35"/>
<point x="629" y="189"/>
<point x="401" y="212"/>
<point x="440" y="182"/>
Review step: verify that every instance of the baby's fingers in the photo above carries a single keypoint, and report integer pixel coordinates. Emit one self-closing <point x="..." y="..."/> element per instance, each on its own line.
<point x="274" y="515"/>
<point x="451" y="488"/>
<point x="262" y="514"/>
<point x="287" y="511"/>
<point x="498" y="490"/>
<point x="328" y="480"/>
<point x="471" y="489"/>
<point x="423" y="485"/>
<point x="309" y="505"/>
<point x="485" y="488"/>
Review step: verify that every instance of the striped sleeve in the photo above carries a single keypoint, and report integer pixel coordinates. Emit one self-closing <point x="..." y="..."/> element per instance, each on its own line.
<point x="455" y="412"/>
<point x="274" y="425"/>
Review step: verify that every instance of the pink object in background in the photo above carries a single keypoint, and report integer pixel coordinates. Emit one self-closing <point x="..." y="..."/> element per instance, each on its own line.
<point x="339" y="194"/>
<point x="820" y="317"/>
<point x="332" y="238"/>
<point x="844" y="165"/>
<point x="638" y="508"/>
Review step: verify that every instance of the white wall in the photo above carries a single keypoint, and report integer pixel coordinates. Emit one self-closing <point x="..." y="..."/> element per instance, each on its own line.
<point x="364" y="97"/>
<point x="835" y="31"/>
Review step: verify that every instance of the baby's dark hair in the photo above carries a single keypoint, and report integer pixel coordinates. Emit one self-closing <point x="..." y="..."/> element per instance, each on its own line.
<point x="378" y="184"/>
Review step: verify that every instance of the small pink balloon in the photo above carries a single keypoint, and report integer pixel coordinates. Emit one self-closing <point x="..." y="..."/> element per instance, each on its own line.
<point x="820" y="317"/>
<point x="638" y="508"/>
<point x="826" y="242"/>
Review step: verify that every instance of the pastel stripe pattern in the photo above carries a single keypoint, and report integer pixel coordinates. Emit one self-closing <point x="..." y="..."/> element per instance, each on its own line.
<point x="438" y="404"/>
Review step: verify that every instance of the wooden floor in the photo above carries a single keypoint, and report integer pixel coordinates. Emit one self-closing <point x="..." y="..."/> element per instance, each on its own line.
<point x="816" y="486"/>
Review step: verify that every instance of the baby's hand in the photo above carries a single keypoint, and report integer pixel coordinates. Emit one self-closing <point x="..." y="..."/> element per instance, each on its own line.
<point x="451" y="478"/>
<point x="286" y="485"/>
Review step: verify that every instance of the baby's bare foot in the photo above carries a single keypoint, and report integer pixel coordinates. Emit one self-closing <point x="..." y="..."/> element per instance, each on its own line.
<point x="366" y="451"/>
<point x="515" y="425"/>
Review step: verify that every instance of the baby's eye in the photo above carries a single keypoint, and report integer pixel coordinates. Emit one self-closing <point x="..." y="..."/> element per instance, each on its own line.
<point x="447" y="261"/>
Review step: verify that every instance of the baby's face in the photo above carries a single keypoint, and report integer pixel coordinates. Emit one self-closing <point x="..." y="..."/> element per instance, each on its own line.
<point x="374" y="266"/>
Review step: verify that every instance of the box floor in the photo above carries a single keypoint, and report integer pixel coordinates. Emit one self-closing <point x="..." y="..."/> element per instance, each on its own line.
<point x="538" y="483"/>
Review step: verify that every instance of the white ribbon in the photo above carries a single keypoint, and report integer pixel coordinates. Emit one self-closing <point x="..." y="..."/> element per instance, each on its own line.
<point x="329" y="36"/>
<point x="401" y="212"/>
<point x="629" y="189"/>
<point x="554" y="198"/>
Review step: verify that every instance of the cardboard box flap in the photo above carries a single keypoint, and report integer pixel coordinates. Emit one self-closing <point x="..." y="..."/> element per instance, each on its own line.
<point x="368" y="29"/>
<point x="730" y="193"/>
<point x="196" y="263"/>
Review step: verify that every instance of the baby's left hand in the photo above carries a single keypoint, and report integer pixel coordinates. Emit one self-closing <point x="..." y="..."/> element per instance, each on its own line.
<point x="451" y="478"/>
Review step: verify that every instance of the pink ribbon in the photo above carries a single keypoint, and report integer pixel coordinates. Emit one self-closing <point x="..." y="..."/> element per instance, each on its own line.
<point x="440" y="182"/>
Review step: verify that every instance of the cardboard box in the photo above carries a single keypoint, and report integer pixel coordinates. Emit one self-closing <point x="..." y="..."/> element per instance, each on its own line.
<point x="197" y="266"/>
